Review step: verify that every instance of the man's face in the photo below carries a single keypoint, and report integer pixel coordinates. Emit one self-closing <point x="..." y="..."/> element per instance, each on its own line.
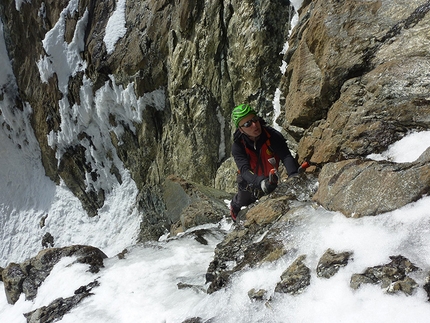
<point x="254" y="127"/>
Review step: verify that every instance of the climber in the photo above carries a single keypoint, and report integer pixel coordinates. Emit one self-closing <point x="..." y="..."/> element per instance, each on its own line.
<point x="257" y="150"/>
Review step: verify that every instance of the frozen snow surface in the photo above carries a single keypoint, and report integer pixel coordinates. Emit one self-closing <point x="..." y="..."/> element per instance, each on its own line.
<point x="143" y="286"/>
<point x="115" y="28"/>
<point x="408" y="149"/>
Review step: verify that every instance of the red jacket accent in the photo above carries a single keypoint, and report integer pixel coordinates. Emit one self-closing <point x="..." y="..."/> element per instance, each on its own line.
<point x="259" y="161"/>
<point x="251" y="157"/>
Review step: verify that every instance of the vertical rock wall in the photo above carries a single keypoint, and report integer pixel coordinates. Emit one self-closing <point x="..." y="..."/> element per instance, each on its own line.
<point x="158" y="103"/>
<point x="357" y="78"/>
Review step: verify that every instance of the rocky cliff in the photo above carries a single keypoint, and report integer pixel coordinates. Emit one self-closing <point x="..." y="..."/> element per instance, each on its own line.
<point x="155" y="103"/>
<point x="184" y="63"/>
<point x="356" y="82"/>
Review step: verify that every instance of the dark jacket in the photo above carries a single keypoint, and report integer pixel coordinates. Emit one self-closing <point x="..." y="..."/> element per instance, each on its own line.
<point x="278" y="146"/>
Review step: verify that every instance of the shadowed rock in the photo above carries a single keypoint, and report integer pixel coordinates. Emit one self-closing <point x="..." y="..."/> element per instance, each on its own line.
<point x="295" y="279"/>
<point x="61" y="306"/>
<point x="331" y="262"/>
<point x="393" y="276"/>
<point x="27" y="277"/>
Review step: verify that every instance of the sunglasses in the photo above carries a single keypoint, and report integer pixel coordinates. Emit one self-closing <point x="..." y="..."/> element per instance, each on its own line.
<point x="250" y="122"/>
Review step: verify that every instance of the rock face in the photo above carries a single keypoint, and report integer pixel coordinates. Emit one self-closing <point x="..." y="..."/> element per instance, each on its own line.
<point x="182" y="65"/>
<point x="261" y="237"/>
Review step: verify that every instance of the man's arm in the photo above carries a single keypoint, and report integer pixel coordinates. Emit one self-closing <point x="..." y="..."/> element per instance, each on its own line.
<point x="279" y="145"/>
<point x="242" y="163"/>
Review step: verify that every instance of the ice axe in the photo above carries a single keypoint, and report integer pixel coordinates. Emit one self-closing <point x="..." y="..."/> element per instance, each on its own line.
<point x="303" y="166"/>
<point x="273" y="174"/>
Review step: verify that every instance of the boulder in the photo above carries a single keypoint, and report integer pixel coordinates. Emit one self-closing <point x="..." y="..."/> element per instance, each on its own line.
<point x="178" y="205"/>
<point x="268" y="211"/>
<point x="13" y="277"/>
<point x="393" y="276"/>
<point x="363" y="187"/>
<point x="257" y="295"/>
<point x="240" y="250"/>
<point x="331" y="261"/>
<point x="295" y="278"/>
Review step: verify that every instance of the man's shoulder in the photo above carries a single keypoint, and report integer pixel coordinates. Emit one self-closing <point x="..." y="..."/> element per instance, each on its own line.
<point x="273" y="132"/>
<point x="237" y="136"/>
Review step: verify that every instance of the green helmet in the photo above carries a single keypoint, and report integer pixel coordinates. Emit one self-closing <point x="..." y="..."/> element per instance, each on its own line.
<point x="240" y="112"/>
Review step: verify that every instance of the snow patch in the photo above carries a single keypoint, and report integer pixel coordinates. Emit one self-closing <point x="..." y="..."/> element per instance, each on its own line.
<point x="408" y="149"/>
<point x="115" y="28"/>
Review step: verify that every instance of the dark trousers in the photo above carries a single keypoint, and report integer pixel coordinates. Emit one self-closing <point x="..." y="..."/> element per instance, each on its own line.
<point x="245" y="195"/>
<point x="242" y="198"/>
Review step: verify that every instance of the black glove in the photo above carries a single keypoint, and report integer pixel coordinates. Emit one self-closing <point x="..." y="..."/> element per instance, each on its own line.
<point x="267" y="187"/>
